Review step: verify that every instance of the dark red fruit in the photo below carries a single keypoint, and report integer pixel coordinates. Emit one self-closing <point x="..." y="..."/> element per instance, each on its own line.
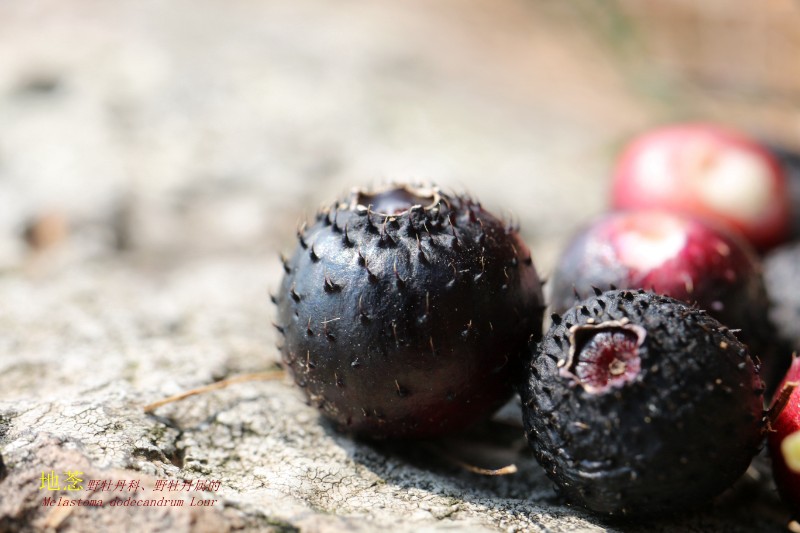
<point x="669" y="254"/>
<point x="784" y="437"/>
<point x="710" y="172"/>
<point x="405" y="311"/>
<point x="639" y="404"/>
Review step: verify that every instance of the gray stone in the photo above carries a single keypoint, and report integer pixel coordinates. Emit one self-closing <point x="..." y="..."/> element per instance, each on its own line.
<point x="174" y="147"/>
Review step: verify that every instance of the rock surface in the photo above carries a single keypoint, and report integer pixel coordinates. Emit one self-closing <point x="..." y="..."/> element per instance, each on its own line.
<point x="153" y="161"/>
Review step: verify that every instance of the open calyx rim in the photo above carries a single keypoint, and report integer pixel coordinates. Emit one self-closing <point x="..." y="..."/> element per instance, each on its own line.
<point x="422" y="192"/>
<point x="565" y="365"/>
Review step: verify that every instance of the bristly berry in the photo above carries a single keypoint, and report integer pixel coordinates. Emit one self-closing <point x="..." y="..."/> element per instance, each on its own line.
<point x="669" y="254"/>
<point x="710" y="172"/>
<point x="784" y="437"/>
<point x="639" y="404"/>
<point x="405" y="311"/>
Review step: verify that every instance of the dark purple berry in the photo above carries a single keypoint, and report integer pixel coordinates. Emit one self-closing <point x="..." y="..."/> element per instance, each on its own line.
<point x="639" y="404"/>
<point x="405" y="312"/>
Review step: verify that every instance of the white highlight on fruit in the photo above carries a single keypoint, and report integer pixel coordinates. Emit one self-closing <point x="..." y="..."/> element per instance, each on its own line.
<point x="723" y="248"/>
<point x="654" y="170"/>
<point x="650" y="244"/>
<point x="790" y="449"/>
<point x="735" y="183"/>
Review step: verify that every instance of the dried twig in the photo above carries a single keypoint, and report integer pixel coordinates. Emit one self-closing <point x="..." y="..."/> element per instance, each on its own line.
<point x="450" y="458"/>
<point x="258" y="376"/>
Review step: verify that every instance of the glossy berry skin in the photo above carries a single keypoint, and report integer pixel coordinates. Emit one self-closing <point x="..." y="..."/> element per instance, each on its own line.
<point x="406" y="311"/>
<point x="637" y="404"/>
<point x="670" y="254"/>
<point x="784" y="439"/>
<point x="708" y="172"/>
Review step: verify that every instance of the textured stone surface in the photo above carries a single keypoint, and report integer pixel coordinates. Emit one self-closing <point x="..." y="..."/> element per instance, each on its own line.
<point x="85" y="351"/>
<point x="153" y="161"/>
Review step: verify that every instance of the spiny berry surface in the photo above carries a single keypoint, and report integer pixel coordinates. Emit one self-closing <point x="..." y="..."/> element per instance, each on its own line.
<point x="639" y="404"/>
<point x="406" y="311"/>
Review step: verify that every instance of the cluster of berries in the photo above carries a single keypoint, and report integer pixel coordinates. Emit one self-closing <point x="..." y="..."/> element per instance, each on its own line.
<point x="407" y="312"/>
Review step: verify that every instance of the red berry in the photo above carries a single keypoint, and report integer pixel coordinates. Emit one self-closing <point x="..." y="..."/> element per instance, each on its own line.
<point x="784" y="439"/>
<point x="670" y="254"/>
<point x="710" y="172"/>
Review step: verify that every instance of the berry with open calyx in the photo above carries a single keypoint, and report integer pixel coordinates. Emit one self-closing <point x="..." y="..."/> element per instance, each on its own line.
<point x="670" y="254"/>
<point x="405" y="311"/>
<point x="638" y="404"/>
<point x="709" y="172"/>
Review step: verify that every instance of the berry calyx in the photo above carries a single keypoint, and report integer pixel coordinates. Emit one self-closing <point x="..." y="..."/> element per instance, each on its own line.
<point x="604" y="356"/>
<point x="395" y="200"/>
